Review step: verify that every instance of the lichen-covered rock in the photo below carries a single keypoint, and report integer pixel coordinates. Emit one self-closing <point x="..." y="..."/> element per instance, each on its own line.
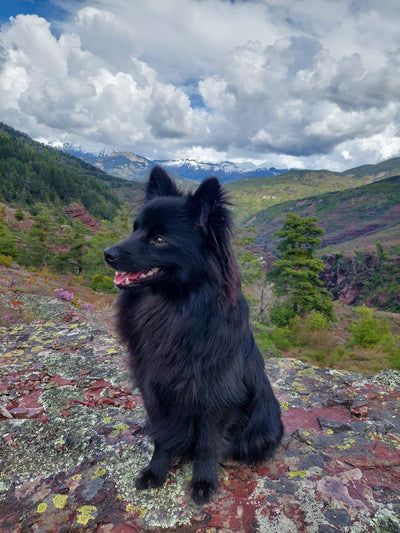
<point x="73" y="440"/>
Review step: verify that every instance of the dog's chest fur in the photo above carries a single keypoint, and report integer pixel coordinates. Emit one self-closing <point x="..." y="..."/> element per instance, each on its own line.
<point x="181" y="347"/>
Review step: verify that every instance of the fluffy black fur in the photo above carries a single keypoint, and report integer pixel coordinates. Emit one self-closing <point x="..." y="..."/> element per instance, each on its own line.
<point x="185" y="323"/>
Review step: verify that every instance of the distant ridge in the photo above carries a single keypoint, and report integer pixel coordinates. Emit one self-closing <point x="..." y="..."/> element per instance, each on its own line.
<point x="250" y="196"/>
<point x="352" y="219"/>
<point x="130" y="166"/>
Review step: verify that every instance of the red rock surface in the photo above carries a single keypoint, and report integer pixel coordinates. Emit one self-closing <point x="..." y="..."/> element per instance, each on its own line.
<point x="72" y="441"/>
<point x="78" y="212"/>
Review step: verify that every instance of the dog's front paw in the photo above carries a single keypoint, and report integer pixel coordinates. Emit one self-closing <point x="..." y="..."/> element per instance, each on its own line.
<point x="202" y="491"/>
<point x="149" y="479"/>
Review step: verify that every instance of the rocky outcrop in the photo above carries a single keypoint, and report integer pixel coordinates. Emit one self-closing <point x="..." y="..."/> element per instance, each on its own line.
<point x="73" y="440"/>
<point x="363" y="277"/>
<point x="77" y="212"/>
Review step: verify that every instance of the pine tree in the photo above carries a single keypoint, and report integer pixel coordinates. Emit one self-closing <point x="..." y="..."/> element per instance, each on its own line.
<point x="41" y="234"/>
<point x="296" y="272"/>
<point x="7" y="242"/>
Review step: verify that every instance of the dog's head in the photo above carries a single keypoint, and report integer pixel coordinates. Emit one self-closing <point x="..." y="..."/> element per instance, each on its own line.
<point x="177" y="239"/>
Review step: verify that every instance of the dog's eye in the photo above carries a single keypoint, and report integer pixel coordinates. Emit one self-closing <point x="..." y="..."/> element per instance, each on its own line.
<point x="160" y="241"/>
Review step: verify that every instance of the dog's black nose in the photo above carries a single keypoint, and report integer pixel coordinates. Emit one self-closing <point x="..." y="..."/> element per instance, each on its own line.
<point x="111" y="255"/>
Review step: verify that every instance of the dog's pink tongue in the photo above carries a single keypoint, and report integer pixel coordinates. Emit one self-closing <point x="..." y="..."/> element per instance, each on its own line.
<point x="122" y="277"/>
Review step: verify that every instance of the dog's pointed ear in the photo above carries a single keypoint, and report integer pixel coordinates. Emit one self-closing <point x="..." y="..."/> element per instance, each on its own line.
<point x="160" y="184"/>
<point x="206" y="200"/>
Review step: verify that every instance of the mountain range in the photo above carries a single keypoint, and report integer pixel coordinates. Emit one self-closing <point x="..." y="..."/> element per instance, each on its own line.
<point x="130" y="166"/>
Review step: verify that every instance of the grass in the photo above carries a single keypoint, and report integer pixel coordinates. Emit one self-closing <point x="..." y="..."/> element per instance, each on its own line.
<point x="361" y="340"/>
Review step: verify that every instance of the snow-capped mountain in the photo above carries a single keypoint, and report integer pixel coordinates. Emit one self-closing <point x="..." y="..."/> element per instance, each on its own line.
<point x="225" y="171"/>
<point x="133" y="167"/>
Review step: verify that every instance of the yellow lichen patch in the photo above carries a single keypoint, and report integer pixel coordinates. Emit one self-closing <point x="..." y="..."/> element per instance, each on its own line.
<point x="347" y="442"/>
<point x="107" y="419"/>
<point x="41" y="507"/>
<point x="47" y="341"/>
<point x="59" y="442"/>
<point x="60" y="501"/>
<point x="13" y="353"/>
<point x="298" y="387"/>
<point x="111" y="351"/>
<point x="300" y="473"/>
<point x="77" y="477"/>
<point x="310" y="373"/>
<point x="391" y="440"/>
<point x="99" y="472"/>
<point x="86" y="513"/>
<point x="343" y="446"/>
<point x="329" y="431"/>
<point x="118" y="428"/>
<point x="305" y="434"/>
<point x="36" y="349"/>
<point x="140" y="513"/>
<point x="295" y="363"/>
<point x="285" y="406"/>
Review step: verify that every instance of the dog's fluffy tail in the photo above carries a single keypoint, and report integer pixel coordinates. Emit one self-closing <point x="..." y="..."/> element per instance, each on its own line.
<point x="263" y="432"/>
<point x="255" y="437"/>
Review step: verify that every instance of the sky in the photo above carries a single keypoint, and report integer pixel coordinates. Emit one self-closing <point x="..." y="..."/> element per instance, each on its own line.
<point x="288" y="83"/>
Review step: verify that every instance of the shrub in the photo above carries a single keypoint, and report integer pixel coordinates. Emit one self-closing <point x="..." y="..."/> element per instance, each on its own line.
<point x="281" y="314"/>
<point x="19" y="214"/>
<point x="280" y="337"/>
<point x="264" y="341"/>
<point x="6" y="260"/>
<point x="320" y="357"/>
<point x="316" y="321"/>
<point x="311" y="332"/>
<point x="371" y="330"/>
<point x="338" y="355"/>
<point x="102" y="283"/>
<point x="391" y="345"/>
<point x="7" y="242"/>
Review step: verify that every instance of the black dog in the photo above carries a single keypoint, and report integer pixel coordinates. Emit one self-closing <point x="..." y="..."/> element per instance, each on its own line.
<point x="185" y="322"/>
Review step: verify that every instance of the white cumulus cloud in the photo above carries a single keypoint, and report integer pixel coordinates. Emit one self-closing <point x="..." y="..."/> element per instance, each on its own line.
<point x="305" y="83"/>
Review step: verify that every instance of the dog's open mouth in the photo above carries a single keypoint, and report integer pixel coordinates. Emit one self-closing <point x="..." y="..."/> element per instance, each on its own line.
<point x="125" y="279"/>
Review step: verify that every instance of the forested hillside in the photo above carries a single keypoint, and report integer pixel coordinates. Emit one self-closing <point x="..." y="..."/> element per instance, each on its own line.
<point x="31" y="172"/>
<point x="41" y="191"/>
<point x="358" y="215"/>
